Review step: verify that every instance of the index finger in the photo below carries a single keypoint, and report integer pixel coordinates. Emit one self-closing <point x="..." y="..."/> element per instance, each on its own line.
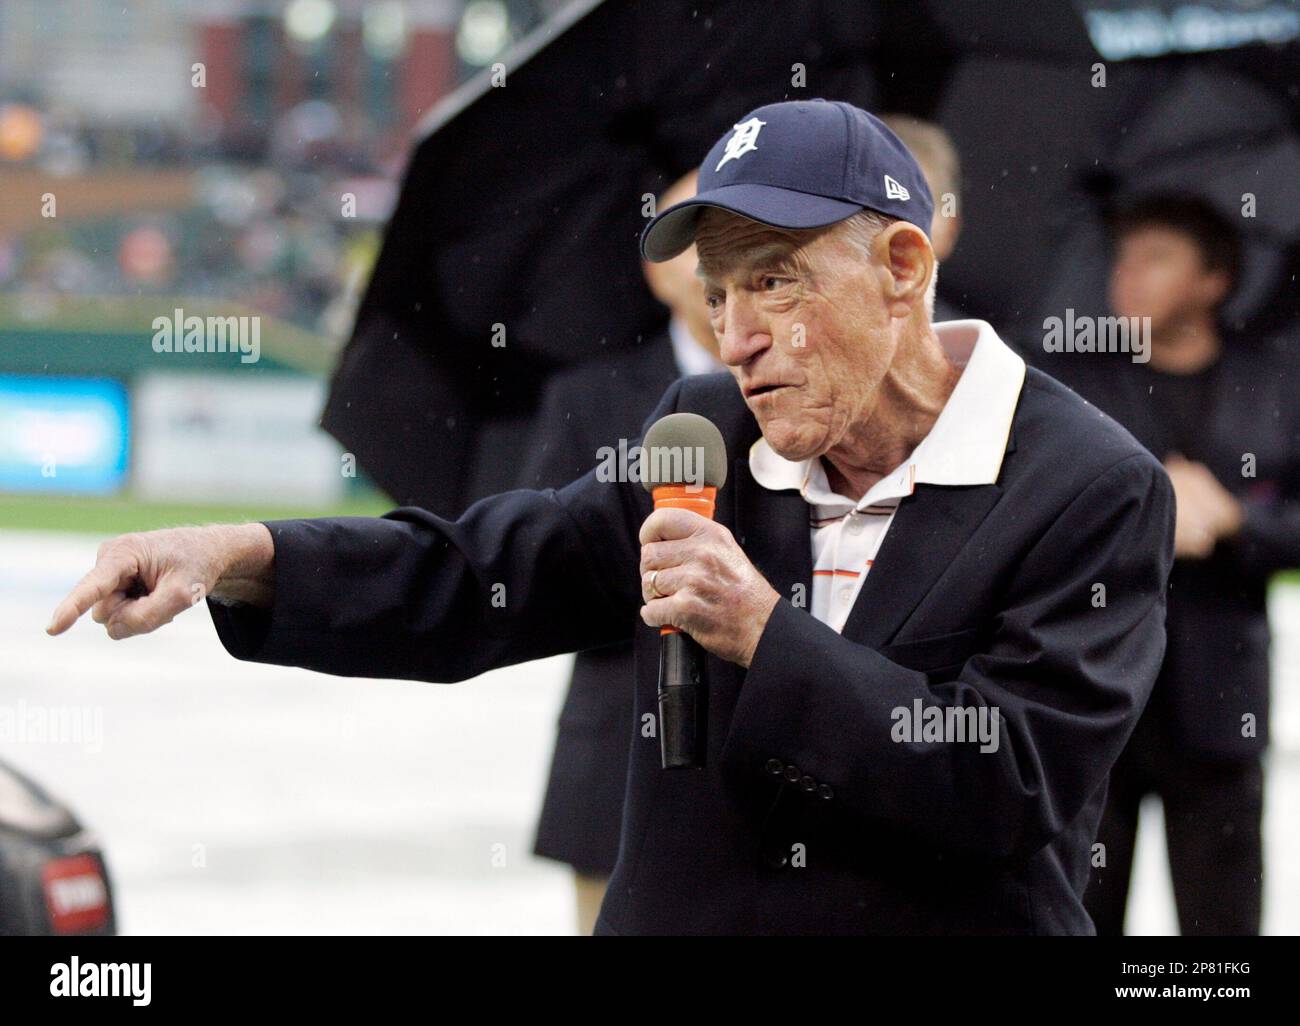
<point x="103" y="580"/>
<point x="668" y="524"/>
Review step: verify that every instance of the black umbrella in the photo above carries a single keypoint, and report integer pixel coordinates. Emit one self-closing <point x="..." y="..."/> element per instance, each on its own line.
<point x="512" y="250"/>
<point x="1212" y="134"/>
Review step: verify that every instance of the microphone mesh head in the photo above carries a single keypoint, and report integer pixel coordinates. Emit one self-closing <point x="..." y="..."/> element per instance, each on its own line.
<point x="683" y="449"/>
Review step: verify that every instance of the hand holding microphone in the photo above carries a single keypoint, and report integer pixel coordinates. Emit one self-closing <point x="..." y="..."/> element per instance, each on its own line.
<point x="699" y="585"/>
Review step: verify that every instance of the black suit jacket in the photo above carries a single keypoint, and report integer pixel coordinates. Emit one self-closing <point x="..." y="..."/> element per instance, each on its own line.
<point x="810" y="818"/>
<point x="585" y="407"/>
<point x="1216" y="667"/>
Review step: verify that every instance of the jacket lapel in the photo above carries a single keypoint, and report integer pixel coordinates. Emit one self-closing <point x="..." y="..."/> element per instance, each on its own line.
<point x="926" y="535"/>
<point x="772" y="528"/>
<point x="928" y="532"/>
<point x="924" y="539"/>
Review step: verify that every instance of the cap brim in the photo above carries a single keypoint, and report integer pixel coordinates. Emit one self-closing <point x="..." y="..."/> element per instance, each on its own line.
<point x="674" y="230"/>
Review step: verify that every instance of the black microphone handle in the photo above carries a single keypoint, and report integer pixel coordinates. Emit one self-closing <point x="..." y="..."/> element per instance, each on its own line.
<point x="683" y="701"/>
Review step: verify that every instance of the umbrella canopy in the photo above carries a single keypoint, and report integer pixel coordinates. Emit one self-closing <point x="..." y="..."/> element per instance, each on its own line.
<point x="1209" y="133"/>
<point x="512" y="250"/>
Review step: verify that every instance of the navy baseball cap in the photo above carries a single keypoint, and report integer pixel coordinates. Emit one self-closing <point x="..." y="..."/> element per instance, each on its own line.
<point x="799" y="164"/>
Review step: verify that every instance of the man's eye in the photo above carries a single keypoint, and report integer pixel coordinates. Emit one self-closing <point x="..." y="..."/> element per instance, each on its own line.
<point x="714" y="301"/>
<point x="772" y="281"/>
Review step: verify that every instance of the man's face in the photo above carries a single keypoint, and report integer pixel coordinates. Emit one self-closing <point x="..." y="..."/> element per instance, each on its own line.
<point x="802" y="310"/>
<point x="1159" y="273"/>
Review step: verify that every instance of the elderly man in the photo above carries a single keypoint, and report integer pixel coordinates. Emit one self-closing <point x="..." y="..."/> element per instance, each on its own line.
<point x="932" y="599"/>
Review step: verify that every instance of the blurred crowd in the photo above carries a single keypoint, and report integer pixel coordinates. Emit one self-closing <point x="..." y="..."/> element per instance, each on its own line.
<point x="291" y="235"/>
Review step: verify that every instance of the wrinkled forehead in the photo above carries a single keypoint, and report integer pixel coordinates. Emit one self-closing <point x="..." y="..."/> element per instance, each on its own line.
<point x="727" y="242"/>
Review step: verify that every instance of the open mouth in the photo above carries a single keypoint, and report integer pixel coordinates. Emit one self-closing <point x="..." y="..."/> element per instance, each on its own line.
<point x="762" y="390"/>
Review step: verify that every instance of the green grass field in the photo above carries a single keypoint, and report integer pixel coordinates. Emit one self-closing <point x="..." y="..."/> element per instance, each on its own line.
<point x="120" y="514"/>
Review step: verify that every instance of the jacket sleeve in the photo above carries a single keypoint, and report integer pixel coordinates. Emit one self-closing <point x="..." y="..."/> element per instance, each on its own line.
<point x="1067" y="680"/>
<point x="1269" y="539"/>
<point x="521" y="575"/>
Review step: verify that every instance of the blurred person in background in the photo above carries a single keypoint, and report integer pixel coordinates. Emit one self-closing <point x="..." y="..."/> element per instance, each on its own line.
<point x="935" y="152"/>
<point x="586" y="407"/>
<point x="1221" y="413"/>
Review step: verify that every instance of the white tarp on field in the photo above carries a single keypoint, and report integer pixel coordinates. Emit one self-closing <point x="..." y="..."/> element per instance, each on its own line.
<point x="236" y="798"/>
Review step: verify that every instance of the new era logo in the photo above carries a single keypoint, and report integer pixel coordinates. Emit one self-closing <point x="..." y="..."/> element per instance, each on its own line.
<point x="895" y="191"/>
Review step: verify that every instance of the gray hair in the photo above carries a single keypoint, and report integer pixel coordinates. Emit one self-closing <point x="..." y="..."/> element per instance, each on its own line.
<point x="861" y="229"/>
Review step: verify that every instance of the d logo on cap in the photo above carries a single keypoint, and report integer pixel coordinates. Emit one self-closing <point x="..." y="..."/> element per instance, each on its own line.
<point x="821" y="161"/>
<point x="744" y="139"/>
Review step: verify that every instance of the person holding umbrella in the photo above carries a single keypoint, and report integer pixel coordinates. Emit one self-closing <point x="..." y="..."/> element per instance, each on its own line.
<point x="582" y="812"/>
<point x="1220" y="410"/>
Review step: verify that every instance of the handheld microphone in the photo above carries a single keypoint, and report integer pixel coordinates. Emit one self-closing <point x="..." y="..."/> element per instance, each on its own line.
<point x="683" y="464"/>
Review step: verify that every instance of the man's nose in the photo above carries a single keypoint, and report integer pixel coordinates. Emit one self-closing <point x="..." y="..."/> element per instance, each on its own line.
<point x="745" y="332"/>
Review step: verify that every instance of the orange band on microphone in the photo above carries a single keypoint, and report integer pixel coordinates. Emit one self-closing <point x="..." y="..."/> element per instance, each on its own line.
<point x="699" y="500"/>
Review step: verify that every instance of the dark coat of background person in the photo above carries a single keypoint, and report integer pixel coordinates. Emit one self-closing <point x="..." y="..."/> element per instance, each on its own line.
<point x="979" y="596"/>
<point x="1217" y="665"/>
<point x="586" y="407"/>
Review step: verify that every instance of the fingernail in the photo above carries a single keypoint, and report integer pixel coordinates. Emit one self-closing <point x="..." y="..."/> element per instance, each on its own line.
<point x="116" y="631"/>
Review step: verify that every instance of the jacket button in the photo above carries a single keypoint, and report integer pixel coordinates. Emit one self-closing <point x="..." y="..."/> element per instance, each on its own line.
<point x="808" y="784"/>
<point x="774" y="767"/>
<point x="825" y="792"/>
<point x="792" y="773"/>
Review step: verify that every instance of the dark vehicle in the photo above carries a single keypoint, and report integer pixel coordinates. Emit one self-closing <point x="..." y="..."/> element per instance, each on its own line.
<point x="53" y="879"/>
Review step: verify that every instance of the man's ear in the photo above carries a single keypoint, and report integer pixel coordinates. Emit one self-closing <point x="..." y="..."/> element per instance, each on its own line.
<point x="905" y="252"/>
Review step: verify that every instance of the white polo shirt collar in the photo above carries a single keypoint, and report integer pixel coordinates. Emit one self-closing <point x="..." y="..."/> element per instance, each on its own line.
<point x="964" y="447"/>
